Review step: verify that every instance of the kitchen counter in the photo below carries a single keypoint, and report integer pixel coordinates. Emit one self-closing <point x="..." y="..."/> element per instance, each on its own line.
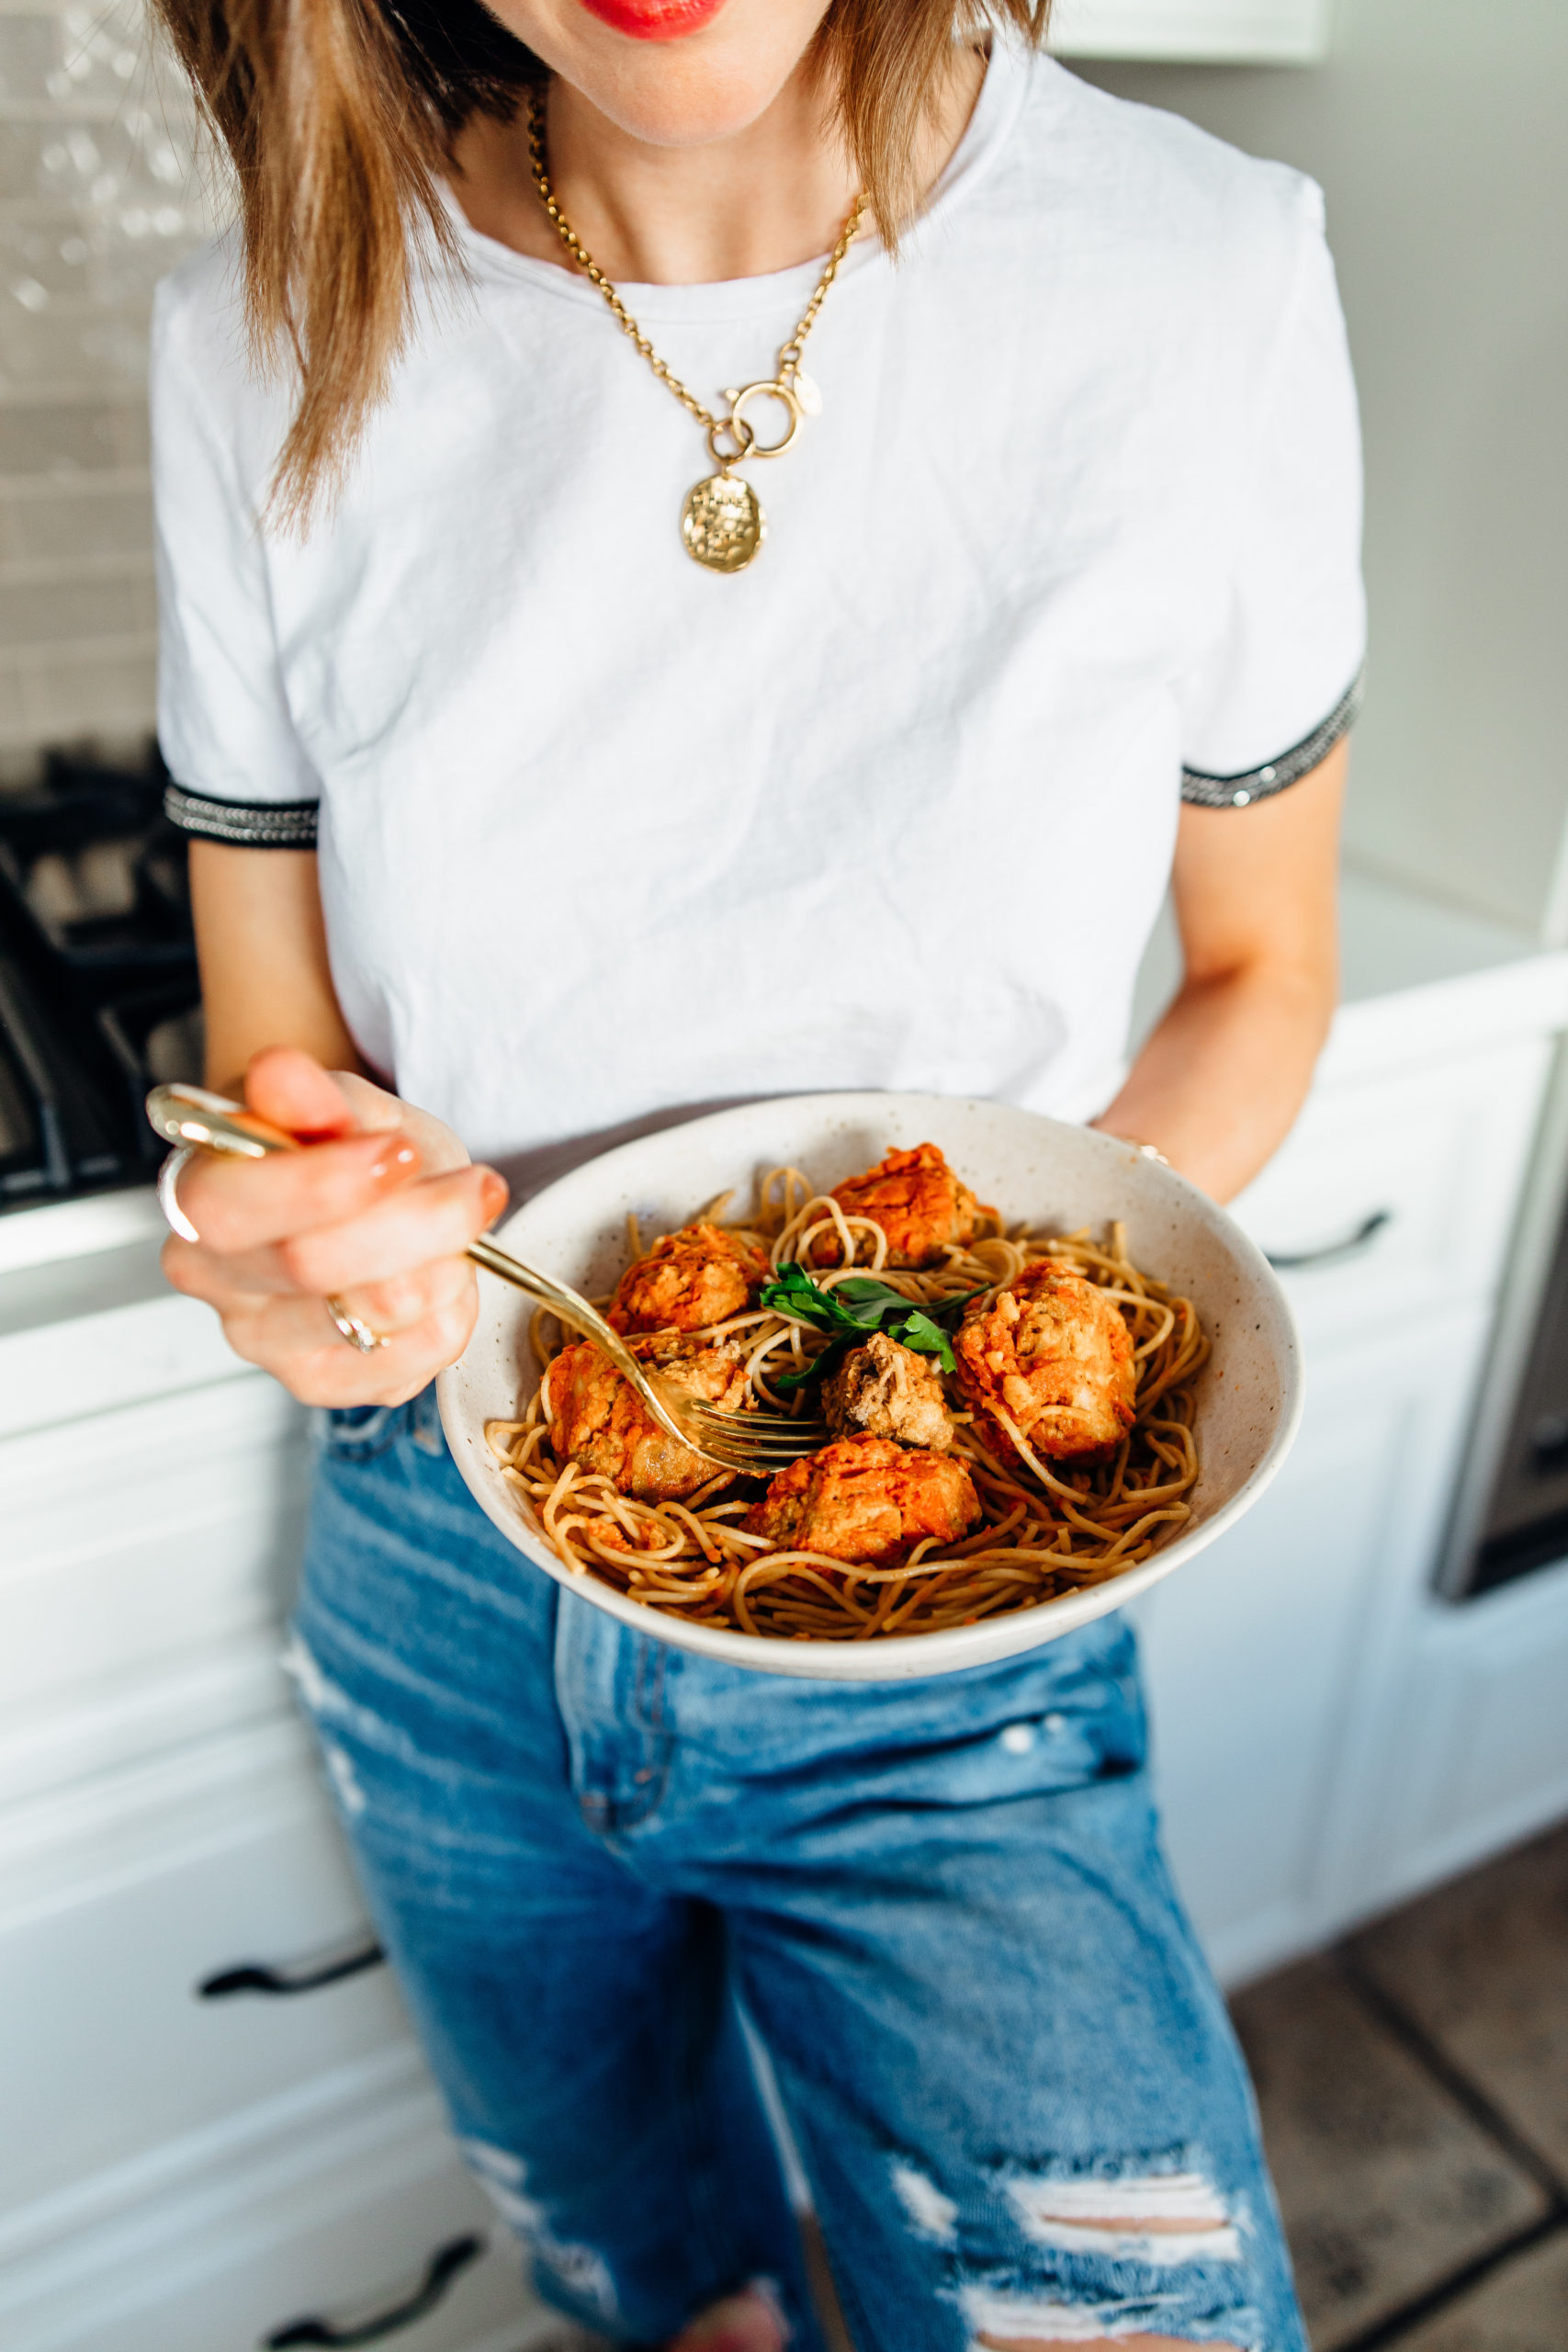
<point x="1414" y="974"/>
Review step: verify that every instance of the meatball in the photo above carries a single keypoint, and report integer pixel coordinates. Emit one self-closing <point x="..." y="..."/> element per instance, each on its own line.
<point x="885" y="1390"/>
<point x="919" y="1202"/>
<point x="688" y="1279"/>
<point x="598" y="1418"/>
<point x="1054" y="1351"/>
<point x="865" y="1501"/>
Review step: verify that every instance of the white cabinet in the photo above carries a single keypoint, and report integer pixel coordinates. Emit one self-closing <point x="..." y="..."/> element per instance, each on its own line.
<point x="119" y="1901"/>
<point x="1473" y="1751"/>
<point x="1328" y="1734"/>
<point x="148" y="1556"/>
<point x="181" y="2172"/>
<point x="357" y="2215"/>
<point x="1271" y="32"/>
<point x="1252" y="1654"/>
<point x="1395" y="1194"/>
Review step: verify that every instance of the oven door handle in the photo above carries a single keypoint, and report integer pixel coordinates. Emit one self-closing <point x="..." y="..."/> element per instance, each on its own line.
<point x="439" y="2272"/>
<point x="1333" y="1253"/>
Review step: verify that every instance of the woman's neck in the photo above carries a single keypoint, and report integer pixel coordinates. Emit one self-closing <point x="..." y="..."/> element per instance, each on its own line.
<point x="771" y="196"/>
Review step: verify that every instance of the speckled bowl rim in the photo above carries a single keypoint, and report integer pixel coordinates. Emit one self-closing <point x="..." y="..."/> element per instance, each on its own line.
<point x="1033" y="1168"/>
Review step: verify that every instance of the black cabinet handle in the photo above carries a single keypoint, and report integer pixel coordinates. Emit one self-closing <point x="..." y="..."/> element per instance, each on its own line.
<point x="302" y="1976"/>
<point x="1334" y="1253"/>
<point x="439" y="2272"/>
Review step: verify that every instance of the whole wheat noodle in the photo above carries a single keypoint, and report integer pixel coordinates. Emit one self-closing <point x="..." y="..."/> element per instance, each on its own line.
<point x="1045" y="1529"/>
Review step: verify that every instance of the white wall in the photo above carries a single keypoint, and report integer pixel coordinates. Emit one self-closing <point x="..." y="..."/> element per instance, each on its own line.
<point x="1438" y="130"/>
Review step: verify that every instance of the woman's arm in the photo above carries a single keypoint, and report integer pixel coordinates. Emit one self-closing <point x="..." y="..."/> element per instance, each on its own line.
<point x="265" y="975"/>
<point x="379" y="1207"/>
<point x="1219" y="1081"/>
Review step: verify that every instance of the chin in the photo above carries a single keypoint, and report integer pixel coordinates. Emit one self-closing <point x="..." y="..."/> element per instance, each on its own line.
<point x="671" y="73"/>
<point x="695" y="112"/>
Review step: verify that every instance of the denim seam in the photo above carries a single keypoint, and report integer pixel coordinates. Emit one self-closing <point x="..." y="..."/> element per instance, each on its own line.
<point x="660" y="1731"/>
<point x="649" y="1714"/>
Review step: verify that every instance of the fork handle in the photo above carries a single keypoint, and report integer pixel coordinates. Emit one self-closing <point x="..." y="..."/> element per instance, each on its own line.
<point x="562" y="1302"/>
<point x="192" y="1119"/>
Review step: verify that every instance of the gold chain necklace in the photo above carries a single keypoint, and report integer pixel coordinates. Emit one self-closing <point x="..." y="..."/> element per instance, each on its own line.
<point x="722" y="522"/>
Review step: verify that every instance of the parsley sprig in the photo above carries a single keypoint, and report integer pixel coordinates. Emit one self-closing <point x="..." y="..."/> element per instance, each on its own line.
<point x="855" y="1306"/>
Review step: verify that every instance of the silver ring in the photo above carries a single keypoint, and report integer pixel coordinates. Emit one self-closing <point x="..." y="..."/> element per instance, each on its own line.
<point x="169" y="1175"/>
<point x="358" y="1335"/>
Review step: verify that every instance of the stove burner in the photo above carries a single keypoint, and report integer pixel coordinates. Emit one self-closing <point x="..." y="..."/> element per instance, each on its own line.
<point x="98" y="991"/>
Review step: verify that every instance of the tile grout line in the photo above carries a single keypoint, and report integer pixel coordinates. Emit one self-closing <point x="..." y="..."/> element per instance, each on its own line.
<point x="1389" y="2330"/>
<point x="1435" y="2061"/>
<point x="1430" y="2055"/>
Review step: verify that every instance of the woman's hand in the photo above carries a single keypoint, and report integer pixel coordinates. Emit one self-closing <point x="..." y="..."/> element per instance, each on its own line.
<point x="375" y="1211"/>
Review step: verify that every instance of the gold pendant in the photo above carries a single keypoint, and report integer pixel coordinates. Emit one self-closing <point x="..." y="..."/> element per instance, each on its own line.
<point x="722" y="523"/>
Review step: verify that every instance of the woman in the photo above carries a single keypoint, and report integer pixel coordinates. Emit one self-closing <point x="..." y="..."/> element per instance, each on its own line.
<point x="622" y="811"/>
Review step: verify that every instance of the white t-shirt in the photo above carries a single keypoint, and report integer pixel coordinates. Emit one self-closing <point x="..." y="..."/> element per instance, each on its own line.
<point x="602" y="833"/>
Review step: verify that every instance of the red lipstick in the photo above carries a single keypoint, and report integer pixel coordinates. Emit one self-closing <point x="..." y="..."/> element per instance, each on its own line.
<point x="654" y="19"/>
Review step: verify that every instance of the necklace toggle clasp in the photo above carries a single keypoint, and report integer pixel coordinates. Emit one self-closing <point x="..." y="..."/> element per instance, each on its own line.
<point x="774" y="389"/>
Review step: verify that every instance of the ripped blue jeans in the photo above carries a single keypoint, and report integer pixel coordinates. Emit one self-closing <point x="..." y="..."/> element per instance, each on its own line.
<point x="1009" y="2077"/>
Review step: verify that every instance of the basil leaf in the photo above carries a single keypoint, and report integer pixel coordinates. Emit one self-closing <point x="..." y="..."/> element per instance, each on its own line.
<point x="927" y="1339"/>
<point x="794" y="1293"/>
<point x="859" y="1305"/>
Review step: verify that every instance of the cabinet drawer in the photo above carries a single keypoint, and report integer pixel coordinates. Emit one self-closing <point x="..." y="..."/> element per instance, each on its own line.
<point x="138" y="1543"/>
<point x="373" y="2230"/>
<point x="421" y="2269"/>
<point x="1398" y="1193"/>
<point x="135" y="1898"/>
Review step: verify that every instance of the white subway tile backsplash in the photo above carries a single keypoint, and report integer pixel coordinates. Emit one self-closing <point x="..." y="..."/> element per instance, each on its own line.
<point x="93" y="517"/>
<point x="30" y="57"/>
<point x="99" y="197"/>
<point x="66" y="343"/>
<point x="59" y="694"/>
<point x="87" y="604"/>
<point x="55" y="439"/>
<point x="138" y="244"/>
<point x="42" y="256"/>
<point x="14" y="727"/>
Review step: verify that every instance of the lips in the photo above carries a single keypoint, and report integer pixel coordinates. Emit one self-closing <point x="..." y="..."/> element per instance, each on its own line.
<point x="654" y="19"/>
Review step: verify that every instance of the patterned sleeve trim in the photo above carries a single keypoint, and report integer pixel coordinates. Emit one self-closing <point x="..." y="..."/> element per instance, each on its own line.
<point x="1204" y="791"/>
<point x="256" y="824"/>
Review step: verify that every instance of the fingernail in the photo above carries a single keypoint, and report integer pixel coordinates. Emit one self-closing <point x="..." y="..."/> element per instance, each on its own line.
<point x="493" y="1195"/>
<point x="391" y="1164"/>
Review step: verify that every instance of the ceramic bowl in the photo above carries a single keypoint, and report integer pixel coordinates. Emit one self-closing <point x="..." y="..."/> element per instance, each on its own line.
<point x="1052" y="1176"/>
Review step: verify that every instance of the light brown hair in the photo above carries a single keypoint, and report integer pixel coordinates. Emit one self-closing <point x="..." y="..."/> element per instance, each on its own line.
<point x="339" y="116"/>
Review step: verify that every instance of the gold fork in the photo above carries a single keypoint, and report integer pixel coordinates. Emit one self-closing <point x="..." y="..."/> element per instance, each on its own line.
<point x="756" y="1442"/>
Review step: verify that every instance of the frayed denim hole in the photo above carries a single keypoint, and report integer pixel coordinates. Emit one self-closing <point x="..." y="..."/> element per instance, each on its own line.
<point x="1134" y="2245"/>
<point x="581" y="2271"/>
<point x="1160" y="2213"/>
<point x="1043" y="2315"/>
<point x="932" y="2213"/>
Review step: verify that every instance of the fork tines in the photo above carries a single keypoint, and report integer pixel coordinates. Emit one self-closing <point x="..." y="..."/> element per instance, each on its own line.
<point x="763" y="1424"/>
<point x="761" y="1441"/>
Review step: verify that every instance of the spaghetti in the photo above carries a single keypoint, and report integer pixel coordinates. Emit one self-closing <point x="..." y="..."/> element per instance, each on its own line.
<point x="1046" y="1527"/>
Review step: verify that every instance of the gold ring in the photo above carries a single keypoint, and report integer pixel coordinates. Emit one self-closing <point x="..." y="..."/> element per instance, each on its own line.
<point x="358" y="1335"/>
